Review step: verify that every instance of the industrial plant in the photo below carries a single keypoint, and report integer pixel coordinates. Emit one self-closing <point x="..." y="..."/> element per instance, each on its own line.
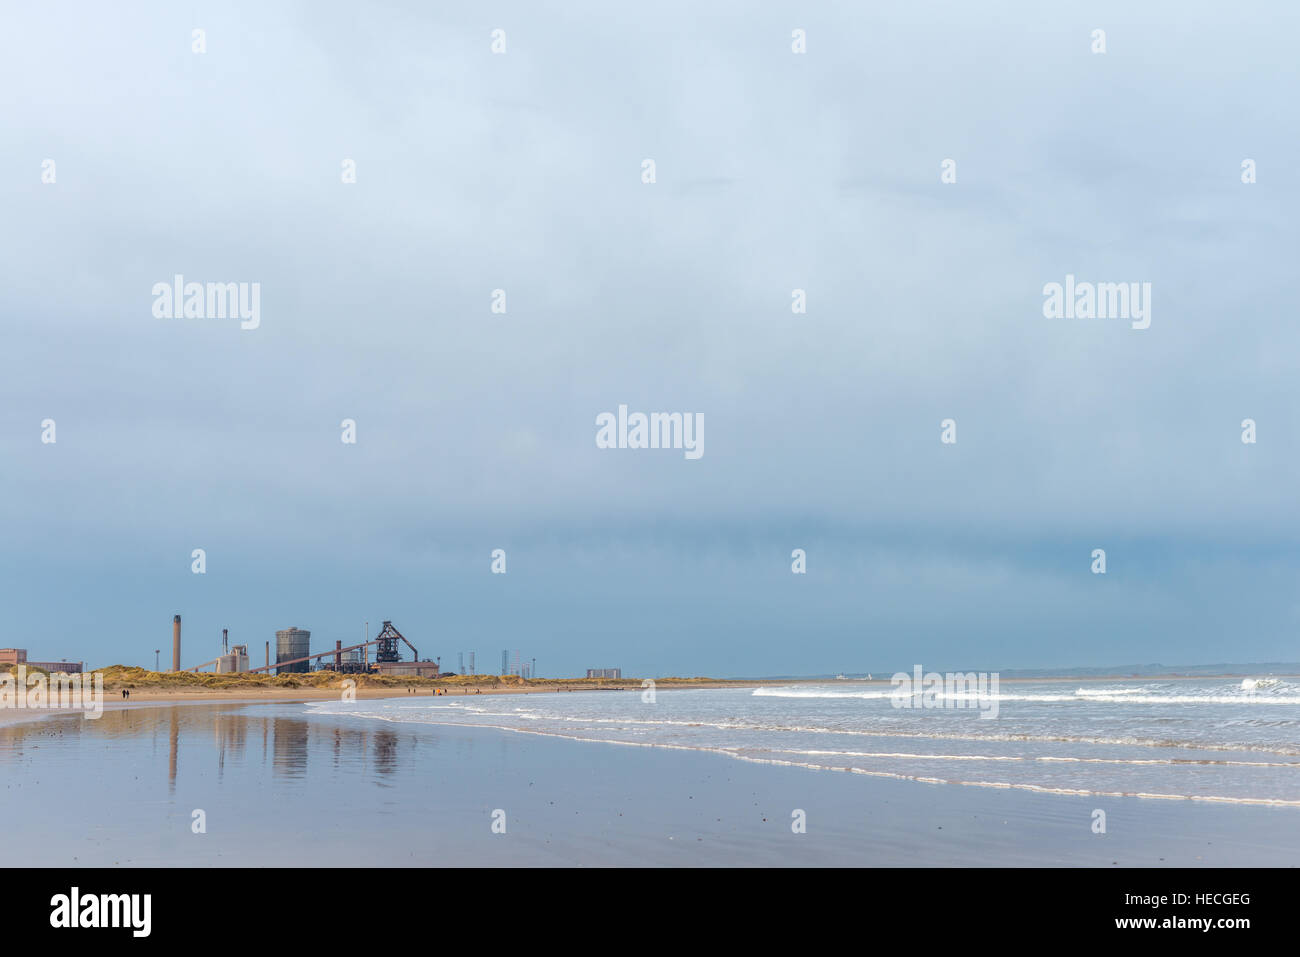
<point x="293" y="655"/>
<point x="18" y="656"/>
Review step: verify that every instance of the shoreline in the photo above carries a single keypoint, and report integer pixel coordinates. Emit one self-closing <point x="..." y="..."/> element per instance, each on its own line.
<point x="631" y="806"/>
<point x="635" y="801"/>
<point x="146" y="696"/>
<point x="422" y="690"/>
<point x="468" y="686"/>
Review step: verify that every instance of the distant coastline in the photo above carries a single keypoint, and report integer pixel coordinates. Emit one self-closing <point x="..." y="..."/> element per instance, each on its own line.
<point x="1107" y="673"/>
<point x="161" y="686"/>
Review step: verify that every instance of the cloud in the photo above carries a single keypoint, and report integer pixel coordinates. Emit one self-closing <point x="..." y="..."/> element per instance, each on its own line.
<point x="776" y="172"/>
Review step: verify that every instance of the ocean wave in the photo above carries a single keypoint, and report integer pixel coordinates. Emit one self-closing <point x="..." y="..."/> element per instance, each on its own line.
<point x="1256" y="685"/>
<point x="754" y="756"/>
<point x="1263" y="692"/>
<point x="809" y="693"/>
<point x="1031" y="758"/>
<point x="428" y="714"/>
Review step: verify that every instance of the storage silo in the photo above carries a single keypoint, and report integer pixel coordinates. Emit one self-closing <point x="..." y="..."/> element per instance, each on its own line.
<point x="289" y="644"/>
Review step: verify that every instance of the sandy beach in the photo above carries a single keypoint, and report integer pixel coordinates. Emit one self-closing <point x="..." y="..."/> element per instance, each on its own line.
<point x="113" y="699"/>
<point x="278" y="785"/>
<point x="421" y="690"/>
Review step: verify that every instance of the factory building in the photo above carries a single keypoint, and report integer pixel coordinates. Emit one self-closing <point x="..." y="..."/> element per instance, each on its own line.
<point x="18" y="656"/>
<point x="234" y="663"/>
<point x="604" y="672"/>
<point x="351" y="662"/>
<point x="408" y="669"/>
<point x="290" y="644"/>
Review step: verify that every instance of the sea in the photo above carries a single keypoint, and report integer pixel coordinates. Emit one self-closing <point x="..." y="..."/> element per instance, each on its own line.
<point x="1142" y="773"/>
<point x="1231" y="740"/>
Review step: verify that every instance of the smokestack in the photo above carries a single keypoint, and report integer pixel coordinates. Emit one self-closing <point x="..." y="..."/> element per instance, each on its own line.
<point x="225" y="641"/>
<point x="176" y="643"/>
<point x="338" y="656"/>
<point x="268" y="657"/>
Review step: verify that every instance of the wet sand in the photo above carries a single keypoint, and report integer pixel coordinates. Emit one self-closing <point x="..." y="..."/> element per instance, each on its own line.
<point x="279" y="786"/>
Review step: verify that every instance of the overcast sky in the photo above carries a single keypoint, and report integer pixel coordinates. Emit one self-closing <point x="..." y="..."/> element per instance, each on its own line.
<point x="774" y="171"/>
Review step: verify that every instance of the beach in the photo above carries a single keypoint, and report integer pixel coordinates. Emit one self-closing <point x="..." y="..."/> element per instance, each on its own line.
<point x="311" y="781"/>
<point x="161" y="687"/>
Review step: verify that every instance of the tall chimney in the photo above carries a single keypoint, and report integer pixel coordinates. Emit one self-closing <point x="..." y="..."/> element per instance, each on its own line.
<point x="268" y="657"/>
<point x="338" y="657"/>
<point x="225" y="641"/>
<point x="176" y="643"/>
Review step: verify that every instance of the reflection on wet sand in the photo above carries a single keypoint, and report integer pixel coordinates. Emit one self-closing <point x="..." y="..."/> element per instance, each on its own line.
<point x="211" y="735"/>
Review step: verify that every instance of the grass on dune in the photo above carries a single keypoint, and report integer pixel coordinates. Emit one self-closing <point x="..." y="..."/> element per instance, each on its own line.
<point x="127" y="676"/>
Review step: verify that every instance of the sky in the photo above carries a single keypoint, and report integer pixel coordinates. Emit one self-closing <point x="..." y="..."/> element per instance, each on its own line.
<point x="774" y="171"/>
